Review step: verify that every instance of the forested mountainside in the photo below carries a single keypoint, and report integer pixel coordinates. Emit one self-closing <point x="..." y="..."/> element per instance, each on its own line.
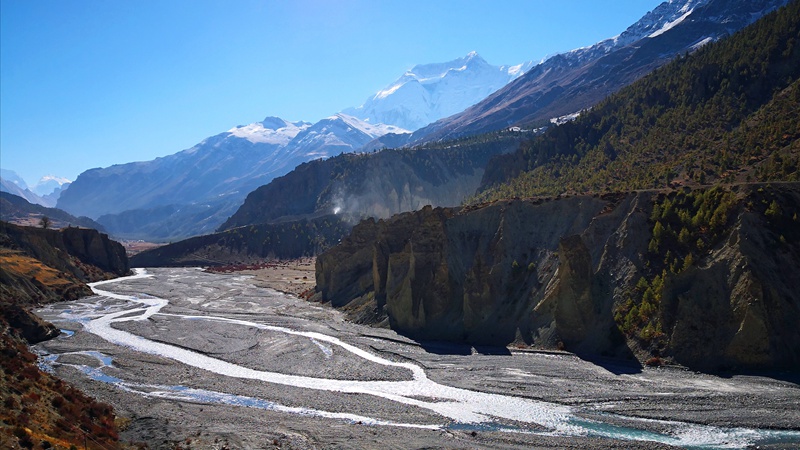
<point x="43" y="266"/>
<point x="727" y="113"/>
<point x="571" y="82"/>
<point x="377" y="184"/>
<point x="699" y="275"/>
<point x="20" y="211"/>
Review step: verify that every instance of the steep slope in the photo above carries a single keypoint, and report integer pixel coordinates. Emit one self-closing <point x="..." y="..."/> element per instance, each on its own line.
<point x="39" y="266"/>
<point x="429" y="92"/>
<point x="43" y="411"/>
<point x="583" y="273"/>
<point x="254" y="243"/>
<point x="17" y="210"/>
<point x="728" y="112"/>
<point x="571" y="82"/>
<point x="376" y="184"/>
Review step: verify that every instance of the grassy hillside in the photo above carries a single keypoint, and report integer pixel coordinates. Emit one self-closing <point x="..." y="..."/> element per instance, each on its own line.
<point x="726" y="113"/>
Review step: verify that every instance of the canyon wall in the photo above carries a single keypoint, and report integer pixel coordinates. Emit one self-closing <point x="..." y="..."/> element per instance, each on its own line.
<point x="588" y="274"/>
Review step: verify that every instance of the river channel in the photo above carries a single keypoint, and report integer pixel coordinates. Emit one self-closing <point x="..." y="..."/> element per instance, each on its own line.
<point x="210" y="361"/>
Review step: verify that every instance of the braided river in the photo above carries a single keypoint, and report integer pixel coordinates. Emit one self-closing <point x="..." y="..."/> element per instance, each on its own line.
<point x="213" y="358"/>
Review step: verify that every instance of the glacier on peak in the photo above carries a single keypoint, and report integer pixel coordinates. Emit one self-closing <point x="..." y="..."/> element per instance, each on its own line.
<point x="429" y="92"/>
<point x="272" y="130"/>
<point x="374" y="130"/>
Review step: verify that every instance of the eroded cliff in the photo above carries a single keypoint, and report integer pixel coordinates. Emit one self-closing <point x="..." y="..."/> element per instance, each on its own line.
<point x="617" y="274"/>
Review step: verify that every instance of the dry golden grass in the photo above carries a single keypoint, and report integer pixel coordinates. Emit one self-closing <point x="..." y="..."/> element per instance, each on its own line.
<point x="29" y="268"/>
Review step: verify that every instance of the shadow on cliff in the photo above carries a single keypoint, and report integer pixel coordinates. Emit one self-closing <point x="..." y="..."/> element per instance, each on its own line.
<point x="452" y="348"/>
<point x="790" y="375"/>
<point x="615" y="365"/>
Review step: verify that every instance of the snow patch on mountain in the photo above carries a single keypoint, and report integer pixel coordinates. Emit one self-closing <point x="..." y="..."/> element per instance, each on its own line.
<point x="14" y="184"/>
<point x="373" y="130"/>
<point x="48" y="184"/>
<point x="669" y="25"/>
<point x="271" y="130"/>
<point x="702" y="43"/>
<point x="656" y="22"/>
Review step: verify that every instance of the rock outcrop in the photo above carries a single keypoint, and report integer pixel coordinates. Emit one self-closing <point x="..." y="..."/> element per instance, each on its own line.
<point x="82" y="252"/>
<point x="566" y="272"/>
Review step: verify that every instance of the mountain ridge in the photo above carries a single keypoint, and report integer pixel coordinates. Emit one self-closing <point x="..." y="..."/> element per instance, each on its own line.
<point x="20" y="211"/>
<point x="659" y="131"/>
<point x="573" y="81"/>
<point x="220" y="169"/>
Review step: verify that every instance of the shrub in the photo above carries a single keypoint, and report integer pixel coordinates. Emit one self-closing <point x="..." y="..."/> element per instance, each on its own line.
<point x="655" y="361"/>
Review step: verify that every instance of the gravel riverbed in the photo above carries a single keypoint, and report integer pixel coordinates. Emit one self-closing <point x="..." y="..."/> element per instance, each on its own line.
<point x="233" y="320"/>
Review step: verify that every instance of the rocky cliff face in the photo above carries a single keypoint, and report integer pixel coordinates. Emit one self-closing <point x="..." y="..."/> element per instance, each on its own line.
<point x="569" y="271"/>
<point x="41" y="266"/>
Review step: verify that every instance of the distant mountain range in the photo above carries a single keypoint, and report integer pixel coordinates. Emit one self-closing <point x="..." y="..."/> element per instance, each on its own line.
<point x="314" y="186"/>
<point x="194" y="191"/>
<point x="45" y="192"/>
<point x="18" y="210"/>
<point x="216" y="174"/>
<point x="429" y="92"/>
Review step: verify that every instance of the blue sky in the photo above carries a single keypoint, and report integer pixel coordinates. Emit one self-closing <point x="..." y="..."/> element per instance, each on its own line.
<point x="91" y="83"/>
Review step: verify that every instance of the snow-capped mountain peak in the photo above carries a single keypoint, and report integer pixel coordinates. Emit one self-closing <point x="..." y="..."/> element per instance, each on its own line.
<point x="45" y="192"/>
<point x="272" y="130"/>
<point x="428" y="92"/>
<point x="373" y="130"/>
<point x="49" y="183"/>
